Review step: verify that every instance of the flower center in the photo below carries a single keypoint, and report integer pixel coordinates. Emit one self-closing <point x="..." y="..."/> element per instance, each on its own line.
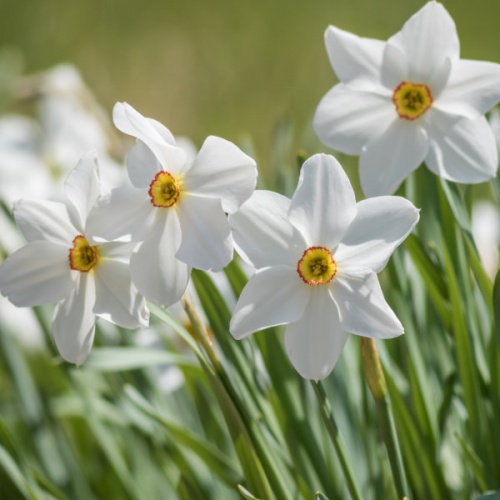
<point x="164" y="190"/>
<point x="412" y="100"/>
<point x="83" y="257"/>
<point x="317" y="267"/>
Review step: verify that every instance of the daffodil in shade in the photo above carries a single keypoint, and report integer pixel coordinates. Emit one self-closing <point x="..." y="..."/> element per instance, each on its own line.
<point x="316" y="258"/>
<point x="176" y="207"/>
<point x="410" y="100"/>
<point x="64" y="263"/>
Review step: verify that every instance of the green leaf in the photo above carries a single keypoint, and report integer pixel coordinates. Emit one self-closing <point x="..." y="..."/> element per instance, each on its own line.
<point x="489" y="495"/>
<point x="114" y="359"/>
<point x="215" y="460"/>
<point x="432" y="276"/>
<point x="476" y="464"/>
<point x="496" y="306"/>
<point x="246" y="494"/>
<point x="457" y="203"/>
<point x="9" y="466"/>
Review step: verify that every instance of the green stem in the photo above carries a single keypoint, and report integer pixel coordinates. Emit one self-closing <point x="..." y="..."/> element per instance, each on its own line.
<point x="376" y="382"/>
<point x="333" y="432"/>
<point x="255" y="436"/>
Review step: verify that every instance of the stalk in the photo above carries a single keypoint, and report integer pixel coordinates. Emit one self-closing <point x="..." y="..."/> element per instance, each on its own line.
<point x="378" y="388"/>
<point x="333" y="432"/>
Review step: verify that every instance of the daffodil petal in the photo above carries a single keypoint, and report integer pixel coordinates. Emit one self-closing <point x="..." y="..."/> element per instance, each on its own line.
<point x="381" y="224"/>
<point x="163" y="131"/>
<point x="142" y="165"/>
<point x="124" y="212"/>
<point x="131" y="122"/>
<point x="206" y="235"/>
<point x="355" y="60"/>
<point x="36" y="274"/>
<point x="315" y="341"/>
<point x="221" y="170"/>
<point x="427" y="39"/>
<point x="273" y="296"/>
<point x="388" y="159"/>
<point x="117" y="299"/>
<point x="82" y="187"/>
<point x="117" y="250"/>
<point x="346" y="120"/>
<point x="473" y="88"/>
<point x="262" y="233"/>
<point x="156" y="271"/>
<point x="320" y="217"/>
<point x="395" y="68"/>
<point x="461" y="151"/>
<point x="363" y="308"/>
<point x="73" y="325"/>
<point x="44" y="220"/>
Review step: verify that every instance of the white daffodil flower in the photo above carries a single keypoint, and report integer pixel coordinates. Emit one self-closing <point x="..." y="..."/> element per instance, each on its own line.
<point x="177" y="208"/>
<point x="63" y="263"/>
<point x="410" y="100"/>
<point x="495" y="124"/>
<point x="316" y="258"/>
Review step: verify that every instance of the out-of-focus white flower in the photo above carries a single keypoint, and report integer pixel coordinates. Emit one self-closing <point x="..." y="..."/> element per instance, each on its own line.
<point x="410" y="100"/>
<point x="22" y="171"/>
<point x="64" y="263"/>
<point x="495" y="124"/>
<point x="176" y="208"/>
<point x="36" y="154"/>
<point x="316" y="257"/>
<point x="486" y="232"/>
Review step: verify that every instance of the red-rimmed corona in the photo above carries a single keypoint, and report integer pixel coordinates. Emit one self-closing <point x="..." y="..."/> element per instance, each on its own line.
<point x="164" y="190"/>
<point x="412" y="100"/>
<point x="317" y="266"/>
<point x="83" y="257"/>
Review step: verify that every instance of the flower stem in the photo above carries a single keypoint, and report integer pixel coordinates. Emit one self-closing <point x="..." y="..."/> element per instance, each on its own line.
<point x="333" y="432"/>
<point x="266" y="462"/>
<point x="376" y="382"/>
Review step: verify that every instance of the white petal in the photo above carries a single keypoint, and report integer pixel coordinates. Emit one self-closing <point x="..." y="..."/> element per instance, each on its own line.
<point x="82" y="187"/>
<point x="381" y="224"/>
<point x="221" y="170"/>
<point x="388" y="159"/>
<point x="206" y="235"/>
<point x="355" y="60"/>
<point x="37" y="273"/>
<point x="44" y="220"/>
<point x="124" y="212"/>
<point x="472" y="89"/>
<point x="395" y="67"/>
<point x="463" y="150"/>
<point x="346" y="119"/>
<point x="273" y="296"/>
<point x="164" y="132"/>
<point x="262" y="233"/>
<point x="117" y="299"/>
<point x="363" y="308"/>
<point x="118" y="250"/>
<point x="323" y="205"/>
<point x="73" y="325"/>
<point x="427" y="39"/>
<point x="142" y="165"/>
<point x="131" y="122"/>
<point x="315" y="341"/>
<point x="157" y="273"/>
<point x="439" y="79"/>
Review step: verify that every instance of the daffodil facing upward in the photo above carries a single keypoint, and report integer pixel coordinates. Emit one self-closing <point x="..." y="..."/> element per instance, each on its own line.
<point x="177" y="207"/>
<point x="410" y="100"/>
<point x="316" y="258"/>
<point x="64" y="263"/>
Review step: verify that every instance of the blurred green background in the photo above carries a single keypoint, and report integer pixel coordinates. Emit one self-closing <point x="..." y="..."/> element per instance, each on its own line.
<point x="223" y="67"/>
